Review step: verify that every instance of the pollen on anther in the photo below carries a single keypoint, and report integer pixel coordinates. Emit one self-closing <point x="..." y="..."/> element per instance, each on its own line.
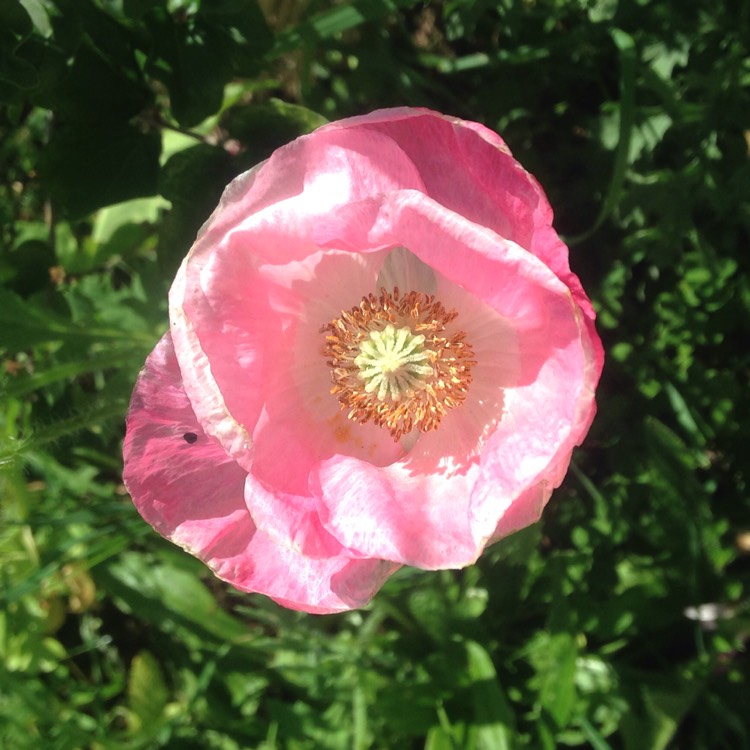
<point x="398" y="362"/>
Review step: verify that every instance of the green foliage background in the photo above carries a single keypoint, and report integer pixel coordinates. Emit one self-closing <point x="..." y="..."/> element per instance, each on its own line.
<point x="622" y="620"/>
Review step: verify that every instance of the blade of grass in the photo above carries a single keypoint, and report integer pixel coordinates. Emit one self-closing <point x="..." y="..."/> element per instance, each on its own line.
<point x="628" y="64"/>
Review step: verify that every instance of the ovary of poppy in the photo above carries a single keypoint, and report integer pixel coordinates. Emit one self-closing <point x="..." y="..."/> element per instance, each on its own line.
<point x="378" y="356"/>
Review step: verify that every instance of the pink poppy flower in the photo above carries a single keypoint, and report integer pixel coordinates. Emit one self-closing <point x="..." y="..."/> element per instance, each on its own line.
<point x="378" y="356"/>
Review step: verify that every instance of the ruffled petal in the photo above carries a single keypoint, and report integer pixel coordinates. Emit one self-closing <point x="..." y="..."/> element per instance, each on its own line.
<point x="418" y="519"/>
<point x="272" y="214"/>
<point x="315" y="585"/>
<point x="288" y="303"/>
<point x="430" y="509"/>
<point x="558" y="417"/>
<point x="187" y="487"/>
<point x="469" y="169"/>
<point x="181" y="480"/>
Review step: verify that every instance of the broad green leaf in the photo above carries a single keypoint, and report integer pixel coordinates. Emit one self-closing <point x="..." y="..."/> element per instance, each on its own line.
<point x="664" y="706"/>
<point x="193" y="180"/>
<point x="246" y="26"/>
<point x="197" y="53"/>
<point x="14" y="18"/>
<point x="89" y="166"/>
<point x="554" y="658"/>
<point x="147" y="693"/>
<point x="164" y="591"/>
<point x="494" y="720"/>
<point x="196" y="176"/>
<point x="39" y="15"/>
<point x="138" y="211"/>
<point x="98" y="90"/>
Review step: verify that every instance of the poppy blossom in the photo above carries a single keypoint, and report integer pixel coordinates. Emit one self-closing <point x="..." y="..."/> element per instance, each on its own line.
<point x="378" y="356"/>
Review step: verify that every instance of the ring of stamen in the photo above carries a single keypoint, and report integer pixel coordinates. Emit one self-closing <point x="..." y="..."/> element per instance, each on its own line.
<point x="393" y="361"/>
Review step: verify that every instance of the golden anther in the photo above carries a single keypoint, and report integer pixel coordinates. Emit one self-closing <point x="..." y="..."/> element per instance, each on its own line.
<point x="393" y="361"/>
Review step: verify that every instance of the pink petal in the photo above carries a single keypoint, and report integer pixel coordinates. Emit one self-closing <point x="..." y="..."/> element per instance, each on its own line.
<point x="469" y="169"/>
<point x="186" y="486"/>
<point x="562" y="419"/>
<point x="290" y="521"/>
<point x="181" y="480"/>
<point x="430" y="511"/>
<point x="333" y="171"/>
<point x="419" y="519"/>
<point x="315" y="585"/>
<point x="290" y="302"/>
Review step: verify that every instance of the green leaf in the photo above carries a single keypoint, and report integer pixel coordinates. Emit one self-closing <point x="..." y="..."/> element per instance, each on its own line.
<point x="14" y="18"/>
<point x="664" y="706"/>
<point x="139" y="211"/>
<point x="94" y="362"/>
<point x="628" y="65"/>
<point x="27" y="324"/>
<point x="14" y="70"/>
<point x="90" y="166"/>
<point x="39" y="16"/>
<point x="197" y="53"/>
<point x="196" y="176"/>
<point x="262" y="128"/>
<point x="196" y="86"/>
<point x="164" y="591"/>
<point x="554" y="659"/>
<point x="333" y="21"/>
<point x="41" y="67"/>
<point x="147" y="693"/>
<point x="439" y="739"/>
<point x="193" y="180"/>
<point x="245" y="24"/>
<point x="494" y="720"/>
<point x="97" y="89"/>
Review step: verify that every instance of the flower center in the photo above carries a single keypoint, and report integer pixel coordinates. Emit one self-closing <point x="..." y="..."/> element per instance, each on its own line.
<point x="394" y="362"/>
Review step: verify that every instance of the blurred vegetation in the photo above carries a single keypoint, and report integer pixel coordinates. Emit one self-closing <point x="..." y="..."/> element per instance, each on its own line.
<point x="621" y="621"/>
